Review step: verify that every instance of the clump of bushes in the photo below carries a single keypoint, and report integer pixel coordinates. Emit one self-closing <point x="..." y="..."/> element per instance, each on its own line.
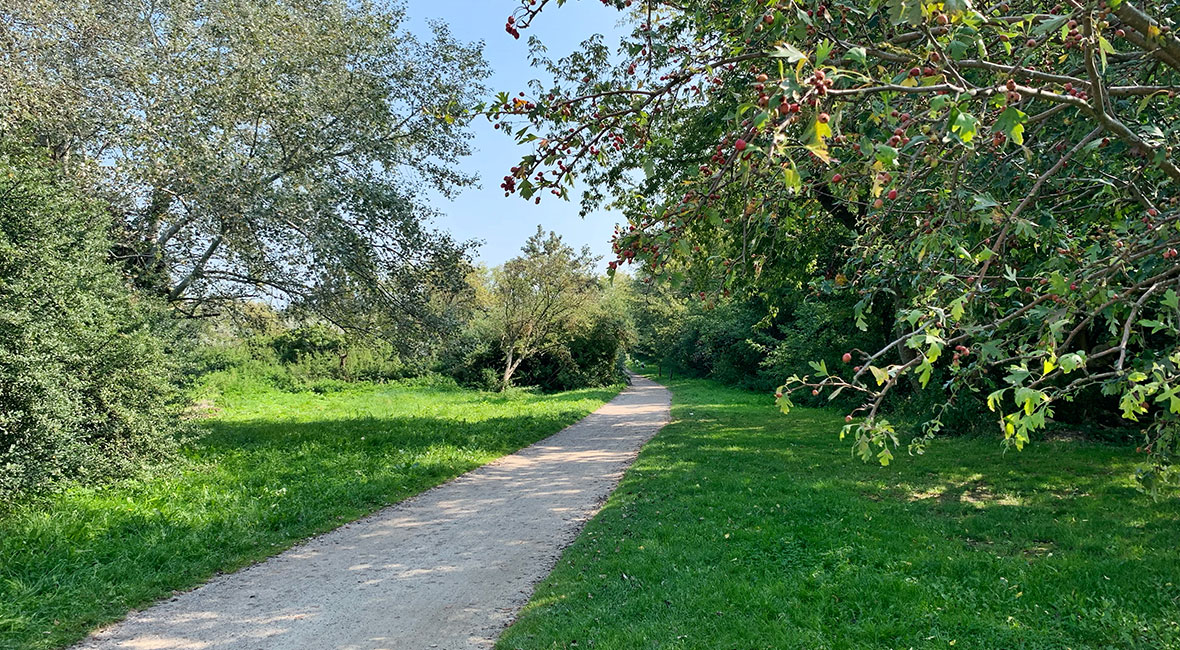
<point x="591" y="353"/>
<point x="88" y="367"/>
<point x="263" y="352"/>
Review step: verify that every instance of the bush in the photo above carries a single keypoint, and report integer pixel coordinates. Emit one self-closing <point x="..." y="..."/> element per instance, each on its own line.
<point x="815" y="331"/>
<point x="309" y="341"/>
<point x="313" y="357"/>
<point x="472" y="357"/>
<point x="591" y="354"/>
<point x="87" y="366"/>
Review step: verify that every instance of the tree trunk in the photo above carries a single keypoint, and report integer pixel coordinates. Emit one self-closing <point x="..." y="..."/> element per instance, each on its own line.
<point x="509" y="367"/>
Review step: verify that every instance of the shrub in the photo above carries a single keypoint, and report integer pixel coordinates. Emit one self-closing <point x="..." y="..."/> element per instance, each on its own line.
<point x="87" y="366"/>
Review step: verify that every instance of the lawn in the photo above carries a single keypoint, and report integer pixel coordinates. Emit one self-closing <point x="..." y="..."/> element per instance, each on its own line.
<point x="741" y="528"/>
<point x="271" y="469"/>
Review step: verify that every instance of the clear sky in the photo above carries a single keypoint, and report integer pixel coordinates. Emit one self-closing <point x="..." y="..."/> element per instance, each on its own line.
<point x="484" y="213"/>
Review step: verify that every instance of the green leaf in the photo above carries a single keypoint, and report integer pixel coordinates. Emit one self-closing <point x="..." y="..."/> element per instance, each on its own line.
<point x="984" y="201"/>
<point x="1050" y="25"/>
<point x="957" y="308"/>
<point x="880" y="375"/>
<point x="857" y="54"/>
<point x="1171" y="299"/>
<point x="963" y="125"/>
<point x="994" y="399"/>
<point x="924" y="371"/>
<point x="905" y="11"/>
<point x="791" y="177"/>
<point x="886" y="155"/>
<point x="1070" y="362"/>
<point x="957" y="7"/>
<point x="1155" y="325"/>
<point x="788" y="52"/>
<point x="1011" y="123"/>
<point x="1104" y="48"/>
<point x="821" y="52"/>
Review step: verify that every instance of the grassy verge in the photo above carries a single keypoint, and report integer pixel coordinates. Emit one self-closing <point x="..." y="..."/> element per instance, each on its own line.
<point x="739" y="527"/>
<point x="271" y="469"/>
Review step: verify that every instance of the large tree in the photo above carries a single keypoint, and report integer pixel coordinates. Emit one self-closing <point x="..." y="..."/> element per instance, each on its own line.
<point x="256" y="147"/>
<point x="995" y="183"/>
<point x="538" y="296"/>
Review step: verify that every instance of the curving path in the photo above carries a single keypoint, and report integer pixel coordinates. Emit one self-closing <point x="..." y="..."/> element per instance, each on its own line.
<point x="446" y="569"/>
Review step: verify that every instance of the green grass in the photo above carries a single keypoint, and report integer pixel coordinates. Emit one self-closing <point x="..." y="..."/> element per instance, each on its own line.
<point x="272" y="468"/>
<point x="741" y="528"/>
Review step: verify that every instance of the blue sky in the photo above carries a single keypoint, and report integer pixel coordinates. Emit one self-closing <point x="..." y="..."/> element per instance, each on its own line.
<point x="484" y="213"/>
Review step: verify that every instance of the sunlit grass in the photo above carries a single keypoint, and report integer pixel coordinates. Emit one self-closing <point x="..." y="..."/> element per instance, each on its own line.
<point x="739" y="527"/>
<point x="272" y="468"/>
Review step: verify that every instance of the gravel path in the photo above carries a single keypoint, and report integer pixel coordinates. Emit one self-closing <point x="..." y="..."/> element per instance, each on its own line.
<point x="447" y="569"/>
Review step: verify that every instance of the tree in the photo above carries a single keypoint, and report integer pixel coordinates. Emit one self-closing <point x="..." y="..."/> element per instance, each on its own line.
<point x="659" y="314"/>
<point x="88" y="367"/>
<point x="537" y="297"/>
<point x="995" y="185"/>
<point x="253" y="148"/>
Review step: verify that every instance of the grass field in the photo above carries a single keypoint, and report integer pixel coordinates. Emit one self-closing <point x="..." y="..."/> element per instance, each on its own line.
<point x="271" y="469"/>
<point x="741" y="528"/>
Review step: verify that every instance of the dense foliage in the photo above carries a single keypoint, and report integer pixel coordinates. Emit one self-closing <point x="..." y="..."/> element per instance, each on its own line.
<point x="992" y="184"/>
<point x="87" y="366"/>
<point x="545" y="318"/>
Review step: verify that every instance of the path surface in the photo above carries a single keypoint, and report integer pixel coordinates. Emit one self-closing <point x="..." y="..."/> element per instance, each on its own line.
<point x="447" y="569"/>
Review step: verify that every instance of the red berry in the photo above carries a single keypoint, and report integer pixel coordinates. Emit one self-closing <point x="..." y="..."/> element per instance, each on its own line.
<point x="892" y="194"/>
<point x="740" y="145"/>
<point x="836" y="178"/>
<point x="823" y="118"/>
<point x="847" y="357"/>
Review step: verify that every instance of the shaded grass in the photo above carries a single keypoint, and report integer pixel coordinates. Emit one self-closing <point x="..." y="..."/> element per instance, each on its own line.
<point x="739" y="527"/>
<point x="272" y="468"/>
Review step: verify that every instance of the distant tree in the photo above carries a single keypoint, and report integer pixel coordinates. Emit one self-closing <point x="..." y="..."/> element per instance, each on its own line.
<point x="659" y="312"/>
<point x="537" y="297"/>
<point x="253" y="148"/>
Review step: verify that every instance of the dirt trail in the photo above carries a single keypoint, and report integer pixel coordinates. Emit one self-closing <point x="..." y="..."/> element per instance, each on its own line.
<point x="447" y="569"/>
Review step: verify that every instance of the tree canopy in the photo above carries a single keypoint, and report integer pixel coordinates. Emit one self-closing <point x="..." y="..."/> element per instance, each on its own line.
<point x="253" y="148"/>
<point x="994" y="184"/>
<point x="538" y="295"/>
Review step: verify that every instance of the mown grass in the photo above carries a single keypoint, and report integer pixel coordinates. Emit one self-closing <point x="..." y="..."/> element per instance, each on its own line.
<point x="271" y="468"/>
<point x="741" y="528"/>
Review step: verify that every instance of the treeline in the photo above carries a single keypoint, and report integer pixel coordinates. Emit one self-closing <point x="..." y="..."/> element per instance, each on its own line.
<point x="758" y="339"/>
<point x="546" y="314"/>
